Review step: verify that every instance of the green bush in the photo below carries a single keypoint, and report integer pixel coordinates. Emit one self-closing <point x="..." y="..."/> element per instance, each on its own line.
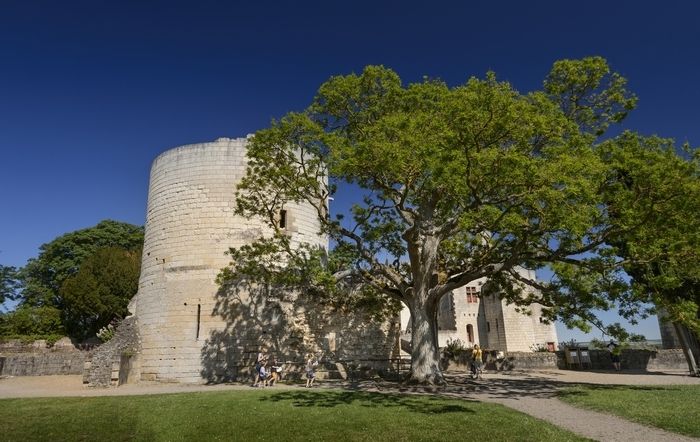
<point x="28" y="339"/>
<point x="455" y="349"/>
<point x="539" y="348"/>
<point x="32" y="321"/>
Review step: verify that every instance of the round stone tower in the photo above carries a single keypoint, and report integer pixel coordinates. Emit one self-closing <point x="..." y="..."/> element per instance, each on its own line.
<point x="190" y="224"/>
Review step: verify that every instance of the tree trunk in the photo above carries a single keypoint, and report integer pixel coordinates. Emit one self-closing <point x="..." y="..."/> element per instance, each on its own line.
<point x="425" y="356"/>
<point x="685" y="345"/>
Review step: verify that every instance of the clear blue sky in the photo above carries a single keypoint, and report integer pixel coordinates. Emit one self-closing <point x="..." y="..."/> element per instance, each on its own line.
<point x="92" y="91"/>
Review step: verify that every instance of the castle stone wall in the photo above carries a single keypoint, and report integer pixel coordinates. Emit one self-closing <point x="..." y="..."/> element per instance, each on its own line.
<point x="111" y="363"/>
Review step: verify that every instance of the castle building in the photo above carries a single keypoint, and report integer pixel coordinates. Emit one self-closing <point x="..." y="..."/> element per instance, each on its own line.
<point x="187" y="328"/>
<point x="475" y="315"/>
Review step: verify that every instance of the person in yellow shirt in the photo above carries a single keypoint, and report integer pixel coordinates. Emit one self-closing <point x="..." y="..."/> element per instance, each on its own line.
<point x="476" y="361"/>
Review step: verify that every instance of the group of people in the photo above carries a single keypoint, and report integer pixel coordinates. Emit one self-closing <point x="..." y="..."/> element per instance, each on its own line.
<point x="268" y="372"/>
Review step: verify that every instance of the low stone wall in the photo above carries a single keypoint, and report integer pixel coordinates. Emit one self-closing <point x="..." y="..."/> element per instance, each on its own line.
<point x="36" y="359"/>
<point x="504" y="361"/>
<point x="631" y="359"/>
<point x="634" y="359"/>
<point x="42" y="364"/>
<point x="522" y="361"/>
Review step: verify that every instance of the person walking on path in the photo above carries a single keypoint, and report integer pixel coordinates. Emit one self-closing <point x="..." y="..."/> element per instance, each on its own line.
<point x="264" y="374"/>
<point x="615" y="351"/>
<point x="275" y="371"/>
<point x="311" y="365"/>
<point x="476" y="365"/>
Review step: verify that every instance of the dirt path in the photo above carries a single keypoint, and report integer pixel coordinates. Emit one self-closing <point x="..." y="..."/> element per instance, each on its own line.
<point x="72" y="385"/>
<point x="533" y="393"/>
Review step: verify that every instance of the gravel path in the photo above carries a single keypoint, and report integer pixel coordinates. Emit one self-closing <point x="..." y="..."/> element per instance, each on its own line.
<point x="533" y="393"/>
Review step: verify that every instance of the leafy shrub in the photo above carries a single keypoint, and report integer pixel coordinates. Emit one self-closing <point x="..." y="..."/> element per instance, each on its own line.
<point x="28" y="339"/>
<point x="539" y="348"/>
<point x="32" y="321"/>
<point x="455" y="348"/>
<point x="106" y="333"/>
<point x="568" y="344"/>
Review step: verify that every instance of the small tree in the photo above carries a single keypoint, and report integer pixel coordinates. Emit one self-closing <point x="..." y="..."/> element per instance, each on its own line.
<point x="453" y="184"/>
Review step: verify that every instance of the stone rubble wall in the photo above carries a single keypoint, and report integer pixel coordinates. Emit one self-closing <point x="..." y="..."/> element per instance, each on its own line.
<point x="111" y="363"/>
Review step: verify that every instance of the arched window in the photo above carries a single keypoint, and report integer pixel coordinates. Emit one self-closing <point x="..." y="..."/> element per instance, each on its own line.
<point x="470" y="333"/>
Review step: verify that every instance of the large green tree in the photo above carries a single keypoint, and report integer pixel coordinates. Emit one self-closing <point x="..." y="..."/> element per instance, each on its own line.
<point x="663" y="255"/>
<point x="62" y="257"/>
<point x="454" y="183"/>
<point x="101" y="290"/>
<point x="44" y="276"/>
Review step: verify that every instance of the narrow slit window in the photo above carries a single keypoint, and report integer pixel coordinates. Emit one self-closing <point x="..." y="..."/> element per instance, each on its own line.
<point x="199" y="316"/>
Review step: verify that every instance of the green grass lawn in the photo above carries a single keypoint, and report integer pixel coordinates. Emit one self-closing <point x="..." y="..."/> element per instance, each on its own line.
<point x="673" y="408"/>
<point x="308" y="415"/>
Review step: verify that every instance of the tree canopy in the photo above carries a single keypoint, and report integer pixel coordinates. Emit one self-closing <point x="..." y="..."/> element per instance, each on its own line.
<point x="62" y="257"/>
<point x="100" y="290"/>
<point x="459" y="183"/>
<point x="55" y="284"/>
<point x="42" y="322"/>
<point x="663" y="256"/>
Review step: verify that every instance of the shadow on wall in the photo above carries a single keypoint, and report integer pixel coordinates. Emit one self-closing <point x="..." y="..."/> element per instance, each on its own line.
<point x="286" y="327"/>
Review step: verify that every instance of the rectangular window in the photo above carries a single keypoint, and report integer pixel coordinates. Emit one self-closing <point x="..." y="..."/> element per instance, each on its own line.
<point x="283" y="219"/>
<point x="472" y="295"/>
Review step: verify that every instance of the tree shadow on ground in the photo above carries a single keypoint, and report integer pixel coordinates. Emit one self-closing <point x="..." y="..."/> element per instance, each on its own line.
<point x="583" y="389"/>
<point x="463" y="387"/>
<point x="330" y="399"/>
